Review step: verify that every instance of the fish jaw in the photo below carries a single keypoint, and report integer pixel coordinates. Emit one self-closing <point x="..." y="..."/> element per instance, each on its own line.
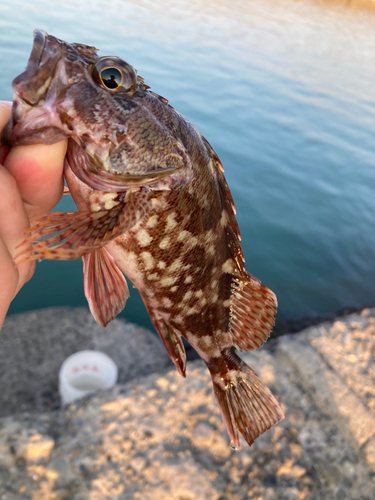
<point x="35" y="118"/>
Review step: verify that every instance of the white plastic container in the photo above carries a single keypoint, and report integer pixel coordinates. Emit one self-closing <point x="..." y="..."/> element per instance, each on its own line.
<point x="85" y="372"/>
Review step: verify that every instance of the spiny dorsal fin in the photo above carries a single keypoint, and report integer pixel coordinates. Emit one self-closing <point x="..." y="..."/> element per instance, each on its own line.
<point x="253" y="311"/>
<point x="105" y="286"/>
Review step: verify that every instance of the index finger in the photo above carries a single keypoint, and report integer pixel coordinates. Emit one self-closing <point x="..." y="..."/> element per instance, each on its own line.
<point x="5" y="111"/>
<point x="38" y="170"/>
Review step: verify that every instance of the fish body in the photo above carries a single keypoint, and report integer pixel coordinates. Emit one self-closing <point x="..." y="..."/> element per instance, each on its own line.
<point x="153" y="205"/>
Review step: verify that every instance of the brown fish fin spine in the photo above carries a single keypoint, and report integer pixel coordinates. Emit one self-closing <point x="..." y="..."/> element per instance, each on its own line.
<point x="252" y="312"/>
<point x="172" y="342"/>
<point x="246" y="403"/>
<point x="72" y="235"/>
<point x="105" y="286"/>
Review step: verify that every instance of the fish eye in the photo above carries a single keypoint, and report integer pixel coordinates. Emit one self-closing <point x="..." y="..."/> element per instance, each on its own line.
<point x="111" y="78"/>
<point x="114" y="74"/>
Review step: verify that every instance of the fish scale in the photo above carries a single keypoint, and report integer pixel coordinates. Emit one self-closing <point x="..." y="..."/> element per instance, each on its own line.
<point x="153" y="205"/>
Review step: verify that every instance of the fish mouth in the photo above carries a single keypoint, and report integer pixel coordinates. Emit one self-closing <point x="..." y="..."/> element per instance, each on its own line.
<point x="31" y="122"/>
<point x="29" y="84"/>
<point x="37" y="49"/>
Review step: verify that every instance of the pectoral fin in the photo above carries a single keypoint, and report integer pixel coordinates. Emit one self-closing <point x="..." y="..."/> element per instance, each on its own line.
<point x="253" y="311"/>
<point x="71" y="235"/>
<point x="105" y="286"/>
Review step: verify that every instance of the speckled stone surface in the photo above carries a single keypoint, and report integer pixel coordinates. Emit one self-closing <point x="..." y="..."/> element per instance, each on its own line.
<point x="161" y="437"/>
<point x="33" y="346"/>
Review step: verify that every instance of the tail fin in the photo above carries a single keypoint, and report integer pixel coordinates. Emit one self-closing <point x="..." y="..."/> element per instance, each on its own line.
<point x="247" y="405"/>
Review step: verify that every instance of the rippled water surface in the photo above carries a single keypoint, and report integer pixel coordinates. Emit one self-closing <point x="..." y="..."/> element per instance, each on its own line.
<point x="284" y="91"/>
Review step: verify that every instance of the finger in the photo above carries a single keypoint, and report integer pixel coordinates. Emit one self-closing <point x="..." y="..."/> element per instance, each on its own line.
<point x="8" y="280"/>
<point x="5" y="111"/>
<point x="38" y="170"/>
<point x="13" y="224"/>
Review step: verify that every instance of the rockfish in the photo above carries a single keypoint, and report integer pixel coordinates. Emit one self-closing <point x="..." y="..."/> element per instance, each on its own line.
<point x="153" y="205"/>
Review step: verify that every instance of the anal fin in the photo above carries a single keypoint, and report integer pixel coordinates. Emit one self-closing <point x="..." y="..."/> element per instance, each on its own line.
<point x="105" y="286"/>
<point x="252" y="314"/>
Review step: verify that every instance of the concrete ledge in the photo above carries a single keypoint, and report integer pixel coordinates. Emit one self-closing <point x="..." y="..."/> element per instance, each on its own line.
<point x="33" y="346"/>
<point x="161" y="437"/>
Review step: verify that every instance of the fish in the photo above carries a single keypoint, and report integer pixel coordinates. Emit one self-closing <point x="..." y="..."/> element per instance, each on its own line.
<point x="154" y="206"/>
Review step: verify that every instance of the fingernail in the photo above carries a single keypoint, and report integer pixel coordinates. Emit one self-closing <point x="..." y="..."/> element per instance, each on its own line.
<point x="8" y="104"/>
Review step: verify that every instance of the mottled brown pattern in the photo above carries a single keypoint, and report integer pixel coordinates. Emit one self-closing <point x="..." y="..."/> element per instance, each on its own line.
<point x="154" y="204"/>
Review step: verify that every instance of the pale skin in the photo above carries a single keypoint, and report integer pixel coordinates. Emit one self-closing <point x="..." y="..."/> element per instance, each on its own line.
<point x="31" y="183"/>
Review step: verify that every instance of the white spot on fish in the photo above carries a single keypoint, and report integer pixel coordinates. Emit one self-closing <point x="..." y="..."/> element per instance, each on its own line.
<point x="164" y="243"/>
<point x="188" y="279"/>
<point x="227" y="267"/>
<point x="187" y="296"/>
<point x="213" y="284"/>
<point x="199" y="293"/>
<point x="175" y="266"/>
<point x="144" y="239"/>
<point x="211" y="250"/>
<point x="168" y="280"/>
<point x="162" y="265"/>
<point x="174" y="288"/>
<point x="171" y="222"/>
<point x="159" y="203"/>
<point x="108" y="200"/>
<point x="152" y="277"/>
<point x="224" y="219"/>
<point x="187" y="237"/>
<point x="95" y="207"/>
<point x="215" y="353"/>
<point x="148" y="260"/>
<point x="191" y="310"/>
<point x="226" y="303"/>
<point x="214" y="298"/>
<point x="167" y="303"/>
<point x="152" y="221"/>
<point x="206" y="340"/>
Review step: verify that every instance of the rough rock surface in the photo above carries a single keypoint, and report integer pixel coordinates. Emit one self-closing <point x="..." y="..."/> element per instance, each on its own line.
<point x="33" y="346"/>
<point x="161" y="437"/>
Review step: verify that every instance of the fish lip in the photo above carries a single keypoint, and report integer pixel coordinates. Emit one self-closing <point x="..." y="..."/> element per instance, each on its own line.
<point x="38" y="48"/>
<point x="31" y="85"/>
<point x="34" y="60"/>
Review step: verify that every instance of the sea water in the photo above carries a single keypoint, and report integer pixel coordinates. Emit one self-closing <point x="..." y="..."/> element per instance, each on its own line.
<point x="285" y="93"/>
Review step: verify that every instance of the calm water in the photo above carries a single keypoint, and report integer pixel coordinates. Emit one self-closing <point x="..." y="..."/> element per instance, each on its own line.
<point x="284" y="91"/>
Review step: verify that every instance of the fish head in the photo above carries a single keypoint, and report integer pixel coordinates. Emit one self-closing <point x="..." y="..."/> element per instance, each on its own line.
<point x="120" y="134"/>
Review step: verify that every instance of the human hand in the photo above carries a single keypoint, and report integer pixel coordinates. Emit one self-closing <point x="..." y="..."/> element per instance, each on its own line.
<point x="31" y="183"/>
